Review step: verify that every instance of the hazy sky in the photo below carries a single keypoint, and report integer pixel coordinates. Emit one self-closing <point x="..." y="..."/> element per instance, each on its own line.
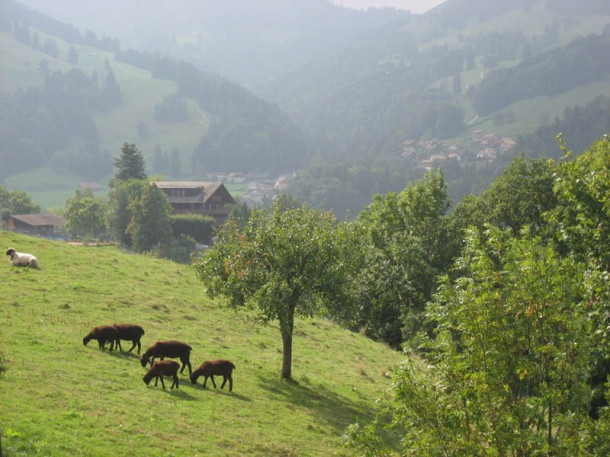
<point x="415" y="6"/>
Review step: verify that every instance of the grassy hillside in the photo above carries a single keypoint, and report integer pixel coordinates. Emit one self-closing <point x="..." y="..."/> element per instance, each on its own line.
<point x="46" y="186"/>
<point x="529" y="114"/>
<point x="531" y="22"/>
<point x="141" y="93"/>
<point x="58" y="397"/>
<point x="532" y="113"/>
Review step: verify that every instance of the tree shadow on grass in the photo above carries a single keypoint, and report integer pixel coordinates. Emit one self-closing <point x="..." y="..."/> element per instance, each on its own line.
<point x="124" y="355"/>
<point x="115" y="352"/>
<point x="177" y="393"/>
<point x="181" y="394"/>
<point x="224" y="392"/>
<point x="333" y="410"/>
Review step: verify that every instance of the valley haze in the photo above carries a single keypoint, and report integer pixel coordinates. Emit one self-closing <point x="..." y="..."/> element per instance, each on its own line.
<point x="353" y="100"/>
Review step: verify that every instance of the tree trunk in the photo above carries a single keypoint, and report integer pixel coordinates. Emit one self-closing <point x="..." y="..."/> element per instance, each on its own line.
<point x="287" y="361"/>
<point x="287" y="327"/>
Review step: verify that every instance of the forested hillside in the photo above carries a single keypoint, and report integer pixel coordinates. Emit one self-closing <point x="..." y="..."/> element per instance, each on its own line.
<point x="415" y="92"/>
<point x="82" y="98"/>
<point x="430" y="76"/>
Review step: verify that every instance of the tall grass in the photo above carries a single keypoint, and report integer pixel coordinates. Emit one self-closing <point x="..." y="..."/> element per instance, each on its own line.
<point x="58" y="397"/>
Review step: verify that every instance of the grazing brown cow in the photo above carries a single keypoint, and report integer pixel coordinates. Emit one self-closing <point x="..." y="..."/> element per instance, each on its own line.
<point x="103" y="334"/>
<point x="212" y="368"/>
<point x="129" y="332"/>
<point x="163" y="368"/>
<point x="168" y="348"/>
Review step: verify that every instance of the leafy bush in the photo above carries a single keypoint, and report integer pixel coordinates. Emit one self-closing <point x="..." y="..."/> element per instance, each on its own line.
<point x="199" y="228"/>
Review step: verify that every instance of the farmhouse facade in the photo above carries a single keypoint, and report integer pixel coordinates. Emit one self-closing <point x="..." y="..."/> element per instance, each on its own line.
<point x="45" y="225"/>
<point x="196" y="197"/>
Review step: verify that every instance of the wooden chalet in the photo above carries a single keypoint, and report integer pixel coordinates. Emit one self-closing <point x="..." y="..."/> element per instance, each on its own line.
<point x="196" y="197"/>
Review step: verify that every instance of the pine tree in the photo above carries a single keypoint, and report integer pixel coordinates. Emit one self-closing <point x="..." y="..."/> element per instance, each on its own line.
<point x="130" y="165"/>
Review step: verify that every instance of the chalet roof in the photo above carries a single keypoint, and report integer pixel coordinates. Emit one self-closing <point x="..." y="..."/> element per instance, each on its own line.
<point x="185" y="184"/>
<point x="209" y="188"/>
<point x="37" y="220"/>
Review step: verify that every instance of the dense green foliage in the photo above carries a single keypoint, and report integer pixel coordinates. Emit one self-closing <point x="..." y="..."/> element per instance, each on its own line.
<point x="139" y="215"/>
<point x="16" y="202"/>
<point x="405" y="245"/>
<point x="200" y="228"/>
<point x="85" y="215"/>
<point x="518" y="198"/>
<point x="509" y="355"/>
<point x="119" y="210"/>
<point x="129" y="164"/>
<point x="240" y="213"/>
<point x="347" y="187"/>
<point x="516" y="336"/>
<point x="150" y="224"/>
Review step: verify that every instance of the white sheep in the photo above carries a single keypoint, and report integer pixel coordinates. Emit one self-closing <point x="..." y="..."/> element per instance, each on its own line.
<point x="21" y="259"/>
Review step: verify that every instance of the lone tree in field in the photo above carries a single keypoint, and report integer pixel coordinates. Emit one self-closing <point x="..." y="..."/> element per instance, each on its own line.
<point x="282" y="263"/>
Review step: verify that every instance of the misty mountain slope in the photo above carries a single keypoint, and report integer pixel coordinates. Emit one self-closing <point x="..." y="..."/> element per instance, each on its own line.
<point x="431" y="76"/>
<point x="248" y="41"/>
<point x="72" y="100"/>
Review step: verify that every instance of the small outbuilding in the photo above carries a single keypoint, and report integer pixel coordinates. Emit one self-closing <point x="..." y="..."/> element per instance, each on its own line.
<point x="45" y="225"/>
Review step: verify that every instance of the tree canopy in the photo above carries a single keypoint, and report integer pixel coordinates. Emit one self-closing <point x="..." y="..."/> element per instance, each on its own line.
<point x="281" y="264"/>
<point x="405" y="245"/>
<point x="507" y="356"/>
<point x="17" y="202"/>
<point x="85" y="214"/>
<point x="150" y="224"/>
<point x="515" y="354"/>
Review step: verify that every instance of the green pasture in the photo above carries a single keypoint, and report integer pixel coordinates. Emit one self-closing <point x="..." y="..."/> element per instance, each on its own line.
<point x="59" y="397"/>
<point x="48" y="187"/>
<point x="141" y="92"/>
<point x="531" y="21"/>
<point x="19" y="66"/>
